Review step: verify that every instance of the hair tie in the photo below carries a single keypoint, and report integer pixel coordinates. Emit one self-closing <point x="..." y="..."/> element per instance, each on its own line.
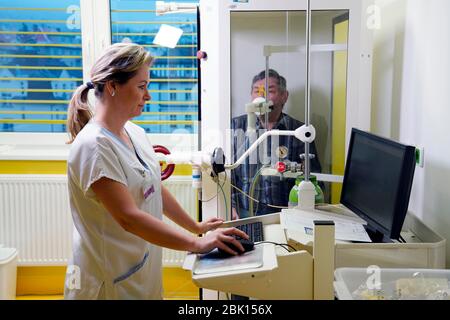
<point x="90" y="85"/>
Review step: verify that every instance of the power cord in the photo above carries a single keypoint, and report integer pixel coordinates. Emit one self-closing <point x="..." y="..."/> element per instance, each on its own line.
<point x="255" y="181"/>
<point x="224" y="200"/>
<point x="217" y="180"/>
<point x="278" y="244"/>
<point x="255" y="200"/>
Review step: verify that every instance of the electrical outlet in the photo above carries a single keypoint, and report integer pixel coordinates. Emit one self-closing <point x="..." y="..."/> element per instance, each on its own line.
<point x="419" y="156"/>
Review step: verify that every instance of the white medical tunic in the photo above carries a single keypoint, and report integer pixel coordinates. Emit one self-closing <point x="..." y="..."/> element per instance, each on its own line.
<point x="109" y="262"/>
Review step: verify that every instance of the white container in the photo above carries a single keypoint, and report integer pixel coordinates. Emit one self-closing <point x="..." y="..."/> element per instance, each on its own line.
<point x="424" y="249"/>
<point x="375" y="283"/>
<point x="8" y="273"/>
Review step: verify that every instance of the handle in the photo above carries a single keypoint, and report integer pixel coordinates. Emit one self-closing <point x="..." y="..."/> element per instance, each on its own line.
<point x="166" y="173"/>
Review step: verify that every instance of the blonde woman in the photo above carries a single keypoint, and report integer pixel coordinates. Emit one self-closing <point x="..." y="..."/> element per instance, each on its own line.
<point x="116" y="196"/>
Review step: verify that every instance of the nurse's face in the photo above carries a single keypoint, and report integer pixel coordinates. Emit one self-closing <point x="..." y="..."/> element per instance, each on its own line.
<point x="134" y="93"/>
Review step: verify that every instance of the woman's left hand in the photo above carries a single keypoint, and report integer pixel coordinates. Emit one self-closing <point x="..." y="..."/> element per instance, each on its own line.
<point x="210" y="224"/>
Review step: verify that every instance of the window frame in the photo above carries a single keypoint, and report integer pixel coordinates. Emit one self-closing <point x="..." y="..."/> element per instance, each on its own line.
<point x="96" y="36"/>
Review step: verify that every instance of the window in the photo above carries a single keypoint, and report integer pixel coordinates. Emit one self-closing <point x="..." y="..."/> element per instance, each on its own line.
<point x="48" y="47"/>
<point x="172" y="121"/>
<point x="188" y="119"/>
<point x="40" y="63"/>
<point x="173" y="94"/>
<point x="136" y="21"/>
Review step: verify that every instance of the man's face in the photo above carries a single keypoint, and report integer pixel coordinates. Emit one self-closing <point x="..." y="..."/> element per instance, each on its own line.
<point x="275" y="95"/>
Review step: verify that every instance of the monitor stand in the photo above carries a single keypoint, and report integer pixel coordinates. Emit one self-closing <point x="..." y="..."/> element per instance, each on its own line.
<point x="377" y="236"/>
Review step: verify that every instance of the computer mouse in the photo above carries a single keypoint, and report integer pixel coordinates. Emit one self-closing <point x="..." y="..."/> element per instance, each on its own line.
<point x="247" y="244"/>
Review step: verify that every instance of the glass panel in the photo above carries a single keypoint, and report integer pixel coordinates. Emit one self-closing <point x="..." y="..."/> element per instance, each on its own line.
<point x="339" y="111"/>
<point x="251" y="32"/>
<point x="328" y="93"/>
<point x="174" y="76"/>
<point x="40" y="63"/>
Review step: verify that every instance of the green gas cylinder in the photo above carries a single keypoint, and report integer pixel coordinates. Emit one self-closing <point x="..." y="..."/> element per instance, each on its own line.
<point x="293" y="194"/>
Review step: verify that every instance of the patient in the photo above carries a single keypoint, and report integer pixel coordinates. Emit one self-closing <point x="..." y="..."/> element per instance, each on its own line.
<point x="268" y="190"/>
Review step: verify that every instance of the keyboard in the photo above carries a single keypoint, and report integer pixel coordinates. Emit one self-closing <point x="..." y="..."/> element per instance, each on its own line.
<point x="254" y="231"/>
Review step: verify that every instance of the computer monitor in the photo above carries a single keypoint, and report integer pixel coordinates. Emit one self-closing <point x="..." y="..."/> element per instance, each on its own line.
<point x="377" y="183"/>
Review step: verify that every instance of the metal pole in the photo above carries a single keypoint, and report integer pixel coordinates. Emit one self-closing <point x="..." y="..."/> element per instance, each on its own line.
<point x="266" y="88"/>
<point x="307" y="85"/>
<point x="267" y="113"/>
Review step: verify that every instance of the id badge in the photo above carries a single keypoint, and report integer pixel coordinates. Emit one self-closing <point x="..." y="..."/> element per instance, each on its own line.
<point x="148" y="189"/>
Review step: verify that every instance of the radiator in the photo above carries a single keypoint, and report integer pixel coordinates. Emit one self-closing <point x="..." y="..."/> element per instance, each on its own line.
<point x="35" y="217"/>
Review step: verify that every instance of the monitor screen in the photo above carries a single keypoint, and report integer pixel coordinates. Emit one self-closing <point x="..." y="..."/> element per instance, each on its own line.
<point x="377" y="183"/>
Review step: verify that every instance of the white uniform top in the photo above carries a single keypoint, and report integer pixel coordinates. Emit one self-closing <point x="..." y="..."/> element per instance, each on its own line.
<point x="113" y="263"/>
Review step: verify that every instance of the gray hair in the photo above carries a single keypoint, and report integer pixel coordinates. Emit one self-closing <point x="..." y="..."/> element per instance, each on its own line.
<point x="272" y="74"/>
<point x="119" y="63"/>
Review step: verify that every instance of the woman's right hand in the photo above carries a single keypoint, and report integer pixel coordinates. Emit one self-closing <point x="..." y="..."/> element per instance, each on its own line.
<point x="219" y="239"/>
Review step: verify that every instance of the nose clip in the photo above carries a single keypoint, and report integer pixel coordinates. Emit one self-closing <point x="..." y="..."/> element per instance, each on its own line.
<point x="261" y="91"/>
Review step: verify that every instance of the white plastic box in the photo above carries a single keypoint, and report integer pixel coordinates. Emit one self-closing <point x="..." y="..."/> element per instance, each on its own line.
<point x="8" y="273"/>
<point x="375" y="283"/>
<point x="424" y="249"/>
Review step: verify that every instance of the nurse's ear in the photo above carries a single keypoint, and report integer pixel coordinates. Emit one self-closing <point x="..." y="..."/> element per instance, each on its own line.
<point x="111" y="87"/>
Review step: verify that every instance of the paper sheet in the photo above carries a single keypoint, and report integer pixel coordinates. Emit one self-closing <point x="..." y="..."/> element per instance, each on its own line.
<point x="303" y="221"/>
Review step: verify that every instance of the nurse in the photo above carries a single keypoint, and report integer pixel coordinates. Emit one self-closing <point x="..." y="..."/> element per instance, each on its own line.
<point x="116" y="196"/>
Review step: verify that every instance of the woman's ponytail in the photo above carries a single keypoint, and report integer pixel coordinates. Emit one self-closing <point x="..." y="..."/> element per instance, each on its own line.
<point x="79" y="112"/>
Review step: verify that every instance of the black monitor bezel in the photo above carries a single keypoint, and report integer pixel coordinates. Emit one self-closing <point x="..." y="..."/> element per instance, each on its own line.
<point x="403" y="192"/>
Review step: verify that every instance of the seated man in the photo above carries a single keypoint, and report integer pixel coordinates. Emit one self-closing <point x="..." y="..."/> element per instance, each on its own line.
<point x="268" y="190"/>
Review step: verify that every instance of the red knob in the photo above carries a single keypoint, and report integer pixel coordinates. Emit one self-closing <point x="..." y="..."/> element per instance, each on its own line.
<point x="201" y="55"/>
<point x="281" y="167"/>
<point x="166" y="173"/>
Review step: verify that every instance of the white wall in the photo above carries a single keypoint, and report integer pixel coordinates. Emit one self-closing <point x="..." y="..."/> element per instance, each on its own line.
<point x="411" y="97"/>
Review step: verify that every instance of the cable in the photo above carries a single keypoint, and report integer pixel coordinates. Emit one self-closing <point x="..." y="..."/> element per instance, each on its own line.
<point x="210" y="198"/>
<point x="224" y="200"/>
<point x="257" y="201"/>
<point x="278" y="244"/>
<point x="216" y="179"/>
<point x="214" y="175"/>
<point x="252" y="189"/>
<point x="223" y="193"/>
<point x="224" y="180"/>
<point x="220" y="186"/>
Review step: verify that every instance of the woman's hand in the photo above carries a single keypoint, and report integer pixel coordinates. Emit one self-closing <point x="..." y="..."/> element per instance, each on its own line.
<point x="210" y="224"/>
<point x="219" y="239"/>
